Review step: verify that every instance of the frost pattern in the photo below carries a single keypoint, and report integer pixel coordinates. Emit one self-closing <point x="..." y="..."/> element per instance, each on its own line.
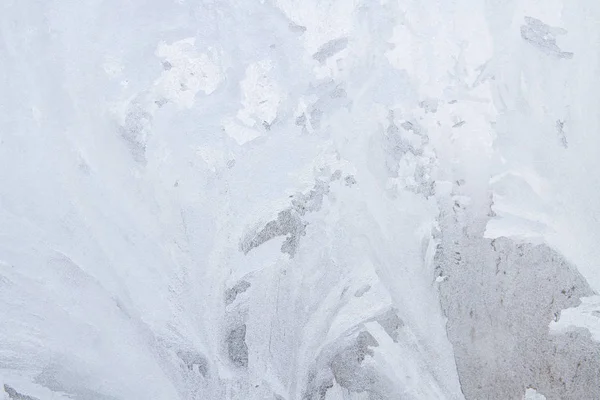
<point x="316" y="200"/>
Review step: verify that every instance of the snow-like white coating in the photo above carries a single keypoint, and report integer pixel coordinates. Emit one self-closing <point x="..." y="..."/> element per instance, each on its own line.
<point x="299" y="200"/>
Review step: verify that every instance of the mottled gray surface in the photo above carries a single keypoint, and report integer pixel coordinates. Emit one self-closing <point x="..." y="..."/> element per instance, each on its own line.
<point x="236" y="346"/>
<point x="391" y="323"/>
<point x="14" y="395"/>
<point x="289" y="222"/>
<point x="330" y="48"/>
<point x="346" y="367"/>
<point x="194" y="361"/>
<point x="543" y="37"/>
<point x="499" y="297"/>
<point x="233" y="292"/>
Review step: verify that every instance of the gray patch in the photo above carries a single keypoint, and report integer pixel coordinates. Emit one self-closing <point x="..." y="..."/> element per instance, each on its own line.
<point x="560" y="125"/>
<point x="290" y="244"/>
<point x="194" y="361"/>
<point x="459" y="124"/>
<point x="375" y="396"/>
<point x="167" y="65"/>
<point x="391" y="324"/>
<point x="296" y="28"/>
<point x="409" y="126"/>
<point x="424" y="184"/>
<point x="429" y="105"/>
<point x="364" y="340"/>
<point x="313" y="201"/>
<point x="499" y="299"/>
<point x="362" y="290"/>
<point x="161" y="102"/>
<point x="14" y="395"/>
<point x="301" y="120"/>
<point x="322" y="390"/>
<point x="397" y="145"/>
<point x="288" y="223"/>
<point x="350" y="180"/>
<point x="135" y="131"/>
<point x="317" y="387"/>
<point x="346" y="365"/>
<point x="330" y="49"/>
<point x="236" y="346"/>
<point x="317" y="392"/>
<point x="543" y="37"/>
<point x="232" y="293"/>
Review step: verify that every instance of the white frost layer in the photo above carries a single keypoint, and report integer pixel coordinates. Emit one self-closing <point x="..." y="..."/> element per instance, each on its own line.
<point x="141" y="146"/>
<point x="187" y="72"/>
<point x="532" y="394"/>
<point x="586" y="315"/>
<point x="143" y="149"/>
<point x="545" y="188"/>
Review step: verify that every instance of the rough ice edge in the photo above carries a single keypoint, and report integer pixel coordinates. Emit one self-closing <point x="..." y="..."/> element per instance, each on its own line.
<point x="586" y="316"/>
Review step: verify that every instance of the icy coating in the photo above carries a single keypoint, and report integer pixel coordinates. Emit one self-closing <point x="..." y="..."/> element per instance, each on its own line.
<point x="299" y="200"/>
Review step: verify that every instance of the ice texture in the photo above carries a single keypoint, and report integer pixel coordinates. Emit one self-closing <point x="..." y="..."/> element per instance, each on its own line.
<point x="299" y="200"/>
